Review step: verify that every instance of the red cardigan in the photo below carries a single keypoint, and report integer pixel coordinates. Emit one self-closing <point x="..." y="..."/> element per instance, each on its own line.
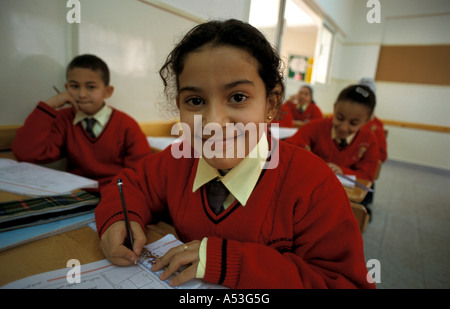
<point x="284" y="117"/>
<point x="359" y="158"/>
<point x="312" y="112"/>
<point x="297" y="229"/>
<point x="49" y="135"/>
<point x="377" y="127"/>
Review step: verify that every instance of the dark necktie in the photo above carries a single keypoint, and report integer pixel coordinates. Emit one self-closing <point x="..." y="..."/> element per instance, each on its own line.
<point x="216" y="193"/>
<point x="90" y="122"/>
<point x="342" y="143"/>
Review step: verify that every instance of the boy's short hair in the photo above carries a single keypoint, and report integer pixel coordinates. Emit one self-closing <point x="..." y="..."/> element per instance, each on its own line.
<point x="91" y="62"/>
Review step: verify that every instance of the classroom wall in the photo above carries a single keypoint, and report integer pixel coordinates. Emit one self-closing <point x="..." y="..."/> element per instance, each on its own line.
<point x="134" y="38"/>
<point x="356" y="50"/>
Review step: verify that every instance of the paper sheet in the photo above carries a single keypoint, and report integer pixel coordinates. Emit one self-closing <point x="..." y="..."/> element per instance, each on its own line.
<point x="345" y="182"/>
<point x="282" y="133"/>
<point x="104" y="275"/>
<point x="161" y="142"/>
<point x="34" y="180"/>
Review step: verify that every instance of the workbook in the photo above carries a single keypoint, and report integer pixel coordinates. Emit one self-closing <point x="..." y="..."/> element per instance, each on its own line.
<point x="104" y="275"/>
<point x="34" y="180"/>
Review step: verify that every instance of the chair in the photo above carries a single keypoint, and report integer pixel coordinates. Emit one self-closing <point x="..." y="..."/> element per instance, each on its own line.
<point x="361" y="215"/>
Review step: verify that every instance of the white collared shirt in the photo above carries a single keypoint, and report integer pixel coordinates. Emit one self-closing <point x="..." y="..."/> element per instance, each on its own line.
<point x="101" y="117"/>
<point x="348" y="139"/>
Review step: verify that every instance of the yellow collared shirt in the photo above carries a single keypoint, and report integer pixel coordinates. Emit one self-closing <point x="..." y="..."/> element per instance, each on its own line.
<point x="241" y="179"/>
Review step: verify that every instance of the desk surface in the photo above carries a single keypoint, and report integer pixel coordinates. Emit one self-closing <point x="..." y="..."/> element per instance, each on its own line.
<point x="52" y="253"/>
<point x="357" y="194"/>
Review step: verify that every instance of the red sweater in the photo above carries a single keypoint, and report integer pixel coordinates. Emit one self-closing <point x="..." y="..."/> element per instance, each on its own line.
<point x="359" y="158"/>
<point x="284" y="117"/>
<point x="49" y="135"/>
<point x="311" y="112"/>
<point x="297" y="229"/>
<point x="377" y="127"/>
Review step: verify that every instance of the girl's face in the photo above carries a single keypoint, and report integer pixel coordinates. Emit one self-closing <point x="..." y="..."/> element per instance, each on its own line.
<point x="349" y="117"/>
<point x="220" y="86"/>
<point x="304" y="96"/>
<point x="88" y="89"/>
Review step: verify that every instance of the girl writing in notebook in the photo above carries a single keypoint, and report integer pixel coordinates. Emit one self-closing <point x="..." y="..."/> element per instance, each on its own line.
<point x="343" y="141"/>
<point x="272" y="217"/>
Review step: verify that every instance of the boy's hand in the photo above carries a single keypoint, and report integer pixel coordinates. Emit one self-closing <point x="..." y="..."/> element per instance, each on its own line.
<point x="112" y="243"/>
<point x="61" y="99"/>
<point x="185" y="256"/>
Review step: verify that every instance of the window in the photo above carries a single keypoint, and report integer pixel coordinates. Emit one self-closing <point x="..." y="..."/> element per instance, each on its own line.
<point x="320" y="72"/>
<point x="298" y="33"/>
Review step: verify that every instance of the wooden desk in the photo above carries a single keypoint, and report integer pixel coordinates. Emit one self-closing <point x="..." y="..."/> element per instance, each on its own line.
<point x="52" y="253"/>
<point x="357" y="194"/>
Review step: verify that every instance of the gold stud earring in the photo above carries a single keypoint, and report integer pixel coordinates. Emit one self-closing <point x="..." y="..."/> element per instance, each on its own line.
<point x="269" y="117"/>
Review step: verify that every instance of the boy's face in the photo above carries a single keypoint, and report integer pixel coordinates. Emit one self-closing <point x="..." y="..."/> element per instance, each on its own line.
<point x="349" y="117"/>
<point x="221" y="85"/>
<point x="87" y="89"/>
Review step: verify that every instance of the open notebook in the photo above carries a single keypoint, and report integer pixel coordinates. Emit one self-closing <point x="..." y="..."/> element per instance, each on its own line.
<point x="33" y="180"/>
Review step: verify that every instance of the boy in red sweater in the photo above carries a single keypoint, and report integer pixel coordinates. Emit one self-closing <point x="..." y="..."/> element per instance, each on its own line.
<point x="276" y="217"/>
<point x="343" y="141"/>
<point x="97" y="140"/>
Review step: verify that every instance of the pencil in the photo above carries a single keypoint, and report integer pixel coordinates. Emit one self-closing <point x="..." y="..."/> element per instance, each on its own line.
<point x="129" y="236"/>
<point x="56" y="89"/>
<point x="357" y="183"/>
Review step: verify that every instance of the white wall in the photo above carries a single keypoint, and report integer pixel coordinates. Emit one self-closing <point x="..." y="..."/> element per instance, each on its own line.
<point x="33" y="53"/>
<point x="133" y="37"/>
<point x="403" y="22"/>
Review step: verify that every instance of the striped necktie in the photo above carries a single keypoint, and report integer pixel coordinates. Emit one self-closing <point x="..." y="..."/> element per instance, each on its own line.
<point x="216" y="193"/>
<point x="90" y="122"/>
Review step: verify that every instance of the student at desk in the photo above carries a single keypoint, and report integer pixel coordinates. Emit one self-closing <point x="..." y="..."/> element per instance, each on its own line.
<point x="299" y="109"/>
<point x="97" y="140"/>
<point x="244" y="222"/>
<point x="343" y="141"/>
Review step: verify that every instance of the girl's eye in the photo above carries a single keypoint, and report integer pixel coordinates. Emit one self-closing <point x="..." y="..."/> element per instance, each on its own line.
<point x="194" y="101"/>
<point x="238" y="98"/>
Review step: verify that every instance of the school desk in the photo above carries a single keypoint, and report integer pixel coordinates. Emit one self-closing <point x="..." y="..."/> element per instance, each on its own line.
<point x="54" y="252"/>
<point x="357" y="194"/>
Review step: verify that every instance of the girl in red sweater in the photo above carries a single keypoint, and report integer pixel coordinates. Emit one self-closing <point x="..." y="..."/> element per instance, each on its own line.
<point x="284" y="220"/>
<point x="343" y="141"/>
<point x="299" y="109"/>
